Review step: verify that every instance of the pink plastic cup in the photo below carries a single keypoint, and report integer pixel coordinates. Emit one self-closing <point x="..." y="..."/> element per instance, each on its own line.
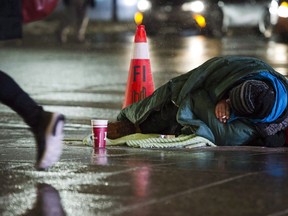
<point x="99" y="131"/>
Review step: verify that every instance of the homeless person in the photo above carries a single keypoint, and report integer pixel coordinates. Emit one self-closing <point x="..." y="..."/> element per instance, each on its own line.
<point x="231" y="100"/>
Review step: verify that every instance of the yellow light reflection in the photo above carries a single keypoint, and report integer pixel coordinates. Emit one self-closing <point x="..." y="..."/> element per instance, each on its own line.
<point x="283" y="10"/>
<point x="200" y="20"/>
<point x="284" y="4"/>
<point x="138" y="18"/>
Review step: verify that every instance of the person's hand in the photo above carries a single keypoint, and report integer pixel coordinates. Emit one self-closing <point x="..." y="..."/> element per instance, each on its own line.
<point x="222" y="111"/>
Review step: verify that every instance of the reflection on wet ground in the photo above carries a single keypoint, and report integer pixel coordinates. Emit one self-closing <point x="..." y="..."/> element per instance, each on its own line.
<point x="48" y="202"/>
<point x="87" y="81"/>
<point x="127" y="181"/>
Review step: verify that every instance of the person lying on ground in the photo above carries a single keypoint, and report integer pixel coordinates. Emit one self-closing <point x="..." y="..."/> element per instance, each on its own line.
<point x="230" y="100"/>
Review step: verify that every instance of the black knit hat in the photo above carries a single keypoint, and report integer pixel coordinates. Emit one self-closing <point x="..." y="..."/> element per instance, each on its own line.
<point x="252" y="98"/>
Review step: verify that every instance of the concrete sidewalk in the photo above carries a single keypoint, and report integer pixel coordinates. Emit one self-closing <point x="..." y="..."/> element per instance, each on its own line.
<point x="128" y="181"/>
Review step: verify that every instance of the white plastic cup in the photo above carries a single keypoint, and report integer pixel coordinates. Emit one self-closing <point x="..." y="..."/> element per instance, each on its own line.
<point x="99" y="131"/>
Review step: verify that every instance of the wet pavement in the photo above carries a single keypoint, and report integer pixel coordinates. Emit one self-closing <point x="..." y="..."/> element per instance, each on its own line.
<point x="126" y="181"/>
<point x="85" y="81"/>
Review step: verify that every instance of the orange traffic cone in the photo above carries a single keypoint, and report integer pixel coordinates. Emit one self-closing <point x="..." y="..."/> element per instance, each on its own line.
<point x="140" y="81"/>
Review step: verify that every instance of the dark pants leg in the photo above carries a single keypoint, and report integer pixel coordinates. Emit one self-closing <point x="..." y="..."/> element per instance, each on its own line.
<point x="12" y="95"/>
<point x="162" y="121"/>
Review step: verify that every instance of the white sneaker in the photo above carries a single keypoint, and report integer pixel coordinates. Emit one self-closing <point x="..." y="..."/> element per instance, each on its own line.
<point x="49" y="137"/>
